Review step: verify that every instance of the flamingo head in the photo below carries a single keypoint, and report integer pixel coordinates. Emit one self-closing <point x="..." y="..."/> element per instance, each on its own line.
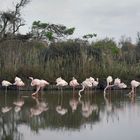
<point x="31" y="78"/>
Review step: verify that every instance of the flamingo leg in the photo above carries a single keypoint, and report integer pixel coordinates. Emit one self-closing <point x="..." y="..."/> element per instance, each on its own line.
<point x="37" y="90"/>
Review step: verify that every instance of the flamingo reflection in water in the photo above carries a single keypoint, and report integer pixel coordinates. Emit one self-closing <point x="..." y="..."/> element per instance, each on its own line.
<point x="59" y="108"/>
<point x="6" y="108"/>
<point x="74" y="103"/>
<point x="39" y="108"/>
<point x="19" y="103"/>
<point x="110" y="109"/>
<point x="88" y="108"/>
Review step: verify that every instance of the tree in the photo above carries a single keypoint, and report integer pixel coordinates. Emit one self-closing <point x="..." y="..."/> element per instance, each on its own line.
<point x="50" y="32"/>
<point x="88" y="36"/>
<point x="11" y="21"/>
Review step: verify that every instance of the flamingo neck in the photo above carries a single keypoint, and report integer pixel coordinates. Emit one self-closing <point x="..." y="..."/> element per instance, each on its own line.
<point x="83" y="87"/>
<point x="108" y="86"/>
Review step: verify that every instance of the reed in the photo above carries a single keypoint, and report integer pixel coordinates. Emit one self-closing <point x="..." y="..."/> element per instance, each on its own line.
<point x="67" y="59"/>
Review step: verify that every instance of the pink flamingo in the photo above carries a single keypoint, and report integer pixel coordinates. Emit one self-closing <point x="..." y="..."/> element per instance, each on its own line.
<point x="73" y="83"/>
<point x="85" y="84"/>
<point x="39" y="84"/>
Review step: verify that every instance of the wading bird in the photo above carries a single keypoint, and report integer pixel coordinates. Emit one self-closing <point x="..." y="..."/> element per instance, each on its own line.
<point x="117" y="83"/>
<point x="39" y="84"/>
<point x="73" y="83"/>
<point x="85" y="84"/>
<point x="61" y="82"/>
<point x="134" y="85"/>
<point x="6" y="84"/>
<point x="18" y="82"/>
<point x="95" y="83"/>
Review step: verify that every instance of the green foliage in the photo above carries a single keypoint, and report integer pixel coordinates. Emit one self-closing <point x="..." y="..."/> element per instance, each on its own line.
<point x="67" y="59"/>
<point x="89" y="36"/>
<point x="107" y="45"/>
<point x="51" y="32"/>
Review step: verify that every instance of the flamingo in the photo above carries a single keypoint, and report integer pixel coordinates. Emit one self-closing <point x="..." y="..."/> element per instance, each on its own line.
<point x="58" y="79"/>
<point x="122" y="85"/>
<point x="39" y="84"/>
<point x="95" y="83"/>
<point x="73" y="83"/>
<point x="61" y="82"/>
<point x="134" y="85"/>
<point x="109" y="79"/>
<point x="117" y="82"/>
<point x="18" y="82"/>
<point x="85" y="84"/>
<point x="6" y="84"/>
<point x="43" y="83"/>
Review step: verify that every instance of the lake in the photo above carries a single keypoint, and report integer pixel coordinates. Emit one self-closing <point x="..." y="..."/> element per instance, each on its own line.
<point x="65" y="116"/>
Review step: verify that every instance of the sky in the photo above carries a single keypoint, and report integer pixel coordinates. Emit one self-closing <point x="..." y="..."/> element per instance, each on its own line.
<point x="106" y="18"/>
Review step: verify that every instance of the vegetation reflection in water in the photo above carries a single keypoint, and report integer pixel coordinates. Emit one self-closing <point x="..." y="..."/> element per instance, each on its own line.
<point x="62" y="111"/>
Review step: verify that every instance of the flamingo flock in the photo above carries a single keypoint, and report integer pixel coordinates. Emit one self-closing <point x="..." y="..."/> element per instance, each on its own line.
<point x="88" y="83"/>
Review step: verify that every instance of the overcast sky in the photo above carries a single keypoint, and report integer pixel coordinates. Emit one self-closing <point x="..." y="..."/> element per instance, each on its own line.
<point x="107" y="18"/>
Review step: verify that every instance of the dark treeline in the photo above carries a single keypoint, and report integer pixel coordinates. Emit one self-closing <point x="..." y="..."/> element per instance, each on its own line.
<point x="69" y="58"/>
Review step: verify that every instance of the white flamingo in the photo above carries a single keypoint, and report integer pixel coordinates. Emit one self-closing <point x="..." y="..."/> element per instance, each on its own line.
<point x="61" y="82"/>
<point x="95" y="83"/>
<point x="134" y="85"/>
<point x="18" y="82"/>
<point x="6" y="84"/>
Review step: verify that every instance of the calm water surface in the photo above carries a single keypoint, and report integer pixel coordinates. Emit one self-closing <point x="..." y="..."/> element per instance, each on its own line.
<point x="64" y="116"/>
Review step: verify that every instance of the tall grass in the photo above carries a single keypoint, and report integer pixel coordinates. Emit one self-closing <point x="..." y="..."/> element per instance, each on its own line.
<point x="66" y="59"/>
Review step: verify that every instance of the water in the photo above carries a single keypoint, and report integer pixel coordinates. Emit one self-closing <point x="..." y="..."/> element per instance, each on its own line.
<point x="64" y="116"/>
